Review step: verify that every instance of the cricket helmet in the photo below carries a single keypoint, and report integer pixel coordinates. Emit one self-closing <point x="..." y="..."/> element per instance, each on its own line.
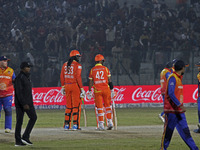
<point x="99" y="57"/>
<point x="74" y="53"/>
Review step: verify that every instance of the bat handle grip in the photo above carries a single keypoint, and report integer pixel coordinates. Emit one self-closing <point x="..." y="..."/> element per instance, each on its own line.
<point x="82" y="101"/>
<point x="113" y="102"/>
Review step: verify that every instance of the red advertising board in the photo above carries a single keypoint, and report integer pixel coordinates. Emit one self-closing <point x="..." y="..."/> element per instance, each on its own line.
<point x="124" y="94"/>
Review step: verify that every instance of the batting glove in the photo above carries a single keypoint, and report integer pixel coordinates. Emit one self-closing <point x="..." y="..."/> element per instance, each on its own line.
<point x="112" y="93"/>
<point x="63" y="91"/>
<point x="89" y="95"/>
<point x="82" y="95"/>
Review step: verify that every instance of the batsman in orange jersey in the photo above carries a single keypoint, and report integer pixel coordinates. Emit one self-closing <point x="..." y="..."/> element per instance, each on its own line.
<point x="99" y="78"/>
<point x="7" y="77"/>
<point x="72" y="88"/>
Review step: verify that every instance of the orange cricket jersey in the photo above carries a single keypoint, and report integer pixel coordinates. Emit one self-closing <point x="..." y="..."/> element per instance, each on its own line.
<point x="169" y="106"/>
<point x="163" y="80"/>
<point x="99" y="74"/>
<point x="6" y="78"/>
<point x="71" y="75"/>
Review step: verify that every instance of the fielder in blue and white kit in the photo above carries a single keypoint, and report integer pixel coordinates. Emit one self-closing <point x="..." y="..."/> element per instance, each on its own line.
<point x="174" y="109"/>
<point x="7" y="76"/>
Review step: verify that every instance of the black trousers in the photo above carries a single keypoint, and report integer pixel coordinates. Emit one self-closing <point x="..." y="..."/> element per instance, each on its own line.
<point x="19" y="121"/>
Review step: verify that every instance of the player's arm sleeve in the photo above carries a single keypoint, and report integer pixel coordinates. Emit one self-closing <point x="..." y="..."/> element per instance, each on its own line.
<point x="19" y="90"/>
<point x="108" y="72"/>
<point x="90" y="84"/>
<point x="109" y="79"/>
<point x="171" y="88"/>
<point x="90" y="80"/>
<point x="198" y="77"/>
<point x="167" y="75"/>
<point x="62" y="76"/>
<point x="78" y="76"/>
<point x="13" y="77"/>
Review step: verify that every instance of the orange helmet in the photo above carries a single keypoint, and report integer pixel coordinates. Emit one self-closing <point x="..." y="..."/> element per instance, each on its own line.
<point x="99" y="57"/>
<point x="74" y="53"/>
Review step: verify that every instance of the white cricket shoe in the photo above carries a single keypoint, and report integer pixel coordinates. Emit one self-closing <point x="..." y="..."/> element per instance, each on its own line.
<point x="110" y="124"/>
<point x="161" y="118"/>
<point x="7" y="130"/>
<point x="101" y="127"/>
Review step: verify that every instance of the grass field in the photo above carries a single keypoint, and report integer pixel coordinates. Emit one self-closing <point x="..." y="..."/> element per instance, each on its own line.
<point x="138" y="129"/>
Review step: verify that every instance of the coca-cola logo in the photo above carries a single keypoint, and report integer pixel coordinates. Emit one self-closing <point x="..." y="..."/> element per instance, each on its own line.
<point x="51" y="96"/>
<point x="195" y="94"/>
<point x="146" y="95"/>
<point x="87" y="96"/>
<point x="119" y="96"/>
<point x="123" y="94"/>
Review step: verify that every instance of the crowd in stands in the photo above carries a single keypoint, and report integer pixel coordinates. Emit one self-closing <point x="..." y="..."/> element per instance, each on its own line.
<point x="45" y="31"/>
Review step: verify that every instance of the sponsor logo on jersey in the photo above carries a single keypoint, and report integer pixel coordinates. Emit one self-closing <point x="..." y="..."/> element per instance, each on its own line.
<point x="6" y="77"/>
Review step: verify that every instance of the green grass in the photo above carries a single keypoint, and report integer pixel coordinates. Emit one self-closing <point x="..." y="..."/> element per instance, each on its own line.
<point x="108" y="140"/>
<point x="126" y="117"/>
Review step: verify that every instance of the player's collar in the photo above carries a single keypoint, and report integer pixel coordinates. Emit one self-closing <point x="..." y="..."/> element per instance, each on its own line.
<point x="168" y="69"/>
<point x="180" y="76"/>
<point x="98" y="64"/>
<point x="3" y="69"/>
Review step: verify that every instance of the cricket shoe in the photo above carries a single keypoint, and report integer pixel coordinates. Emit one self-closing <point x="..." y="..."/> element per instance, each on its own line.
<point x="161" y="118"/>
<point x="198" y="125"/>
<point x="20" y="144"/>
<point x="27" y="142"/>
<point x="197" y="130"/>
<point x="101" y="127"/>
<point x="110" y="125"/>
<point x="75" y="127"/>
<point x="66" y="127"/>
<point x="7" y="130"/>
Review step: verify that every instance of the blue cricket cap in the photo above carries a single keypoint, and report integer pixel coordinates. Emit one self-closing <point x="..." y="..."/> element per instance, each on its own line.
<point x="4" y="58"/>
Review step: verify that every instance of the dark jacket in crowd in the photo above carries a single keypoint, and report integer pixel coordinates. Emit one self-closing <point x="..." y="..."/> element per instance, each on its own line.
<point x="23" y="90"/>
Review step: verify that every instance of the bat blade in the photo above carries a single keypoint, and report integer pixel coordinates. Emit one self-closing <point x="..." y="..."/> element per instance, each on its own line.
<point x="114" y="116"/>
<point x="84" y="113"/>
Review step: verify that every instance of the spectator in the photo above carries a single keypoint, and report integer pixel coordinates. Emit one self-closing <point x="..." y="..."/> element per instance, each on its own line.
<point x="117" y="53"/>
<point x="144" y="41"/>
<point x="52" y="76"/>
<point x="110" y="38"/>
<point x="48" y="28"/>
<point x="30" y="7"/>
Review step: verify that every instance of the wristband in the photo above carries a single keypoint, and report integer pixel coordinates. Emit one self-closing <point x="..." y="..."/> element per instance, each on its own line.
<point x="111" y="85"/>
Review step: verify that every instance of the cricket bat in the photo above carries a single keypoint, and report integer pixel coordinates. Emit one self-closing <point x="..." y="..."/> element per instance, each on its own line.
<point x="84" y="114"/>
<point x="114" y="115"/>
